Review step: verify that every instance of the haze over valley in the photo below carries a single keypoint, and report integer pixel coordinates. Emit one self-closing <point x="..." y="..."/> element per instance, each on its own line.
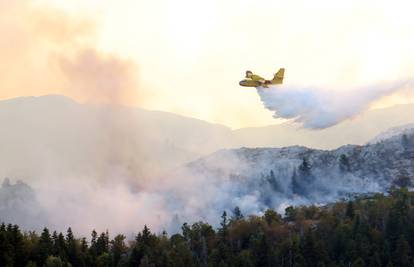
<point x="157" y="168"/>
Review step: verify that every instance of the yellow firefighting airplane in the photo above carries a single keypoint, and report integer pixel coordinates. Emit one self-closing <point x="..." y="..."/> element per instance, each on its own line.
<point x="253" y="80"/>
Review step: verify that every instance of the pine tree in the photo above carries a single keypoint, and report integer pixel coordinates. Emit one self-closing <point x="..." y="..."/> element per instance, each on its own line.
<point x="237" y="214"/>
<point x="103" y="260"/>
<point x="272" y="217"/>
<point x="304" y="168"/>
<point x="69" y="235"/>
<point x="31" y="264"/>
<point x="145" y="262"/>
<point x="19" y="247"/>
<point x="350" y="211"/>
<point x="62" y="247"/>
<point x="55" y="250"/>
<point x="72" y="251"/>
<point x="222" y="251"/>
<point x="405" y="142"/>
<point x="44" y="247"/>
<point x="290" y="213"/>
<point x="359" y="262"/>
<point x="93" y="247"/>
<point x="274" y="184"/>
<point x="102" y="244"/>
<point x="6" y="248"/>
<point x="261" y="250"/>
<point x="53" y="261"/>
<point x="144" y="243"/>
<point x="223" y="231"/>
<point x="146" y="234"/>
<point x="296" y="186"/>
<point x="118" y="248"/>
<point x="186" y="230"/>
<point x="402" y="254"/>
<point x="344" y="164"/>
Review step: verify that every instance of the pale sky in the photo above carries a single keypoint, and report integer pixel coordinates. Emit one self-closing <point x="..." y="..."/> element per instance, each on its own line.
<point x="189" y="55"/>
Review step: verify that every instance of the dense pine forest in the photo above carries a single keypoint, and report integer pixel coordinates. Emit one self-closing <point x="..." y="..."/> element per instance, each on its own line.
<point x="373" y="230"/>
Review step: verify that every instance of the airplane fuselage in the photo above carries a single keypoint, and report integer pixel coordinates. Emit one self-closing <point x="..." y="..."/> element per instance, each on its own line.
<point x="250" y="83"/>
<point x="257" y="81"/>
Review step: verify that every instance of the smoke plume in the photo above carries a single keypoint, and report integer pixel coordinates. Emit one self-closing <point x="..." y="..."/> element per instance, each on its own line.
<point x="49" y="51"/>
<point x="317" y="108"/>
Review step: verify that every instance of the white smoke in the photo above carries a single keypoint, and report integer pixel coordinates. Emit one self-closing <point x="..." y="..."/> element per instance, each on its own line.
<point x="318" y="108"/>
<point x="252" y="179"/>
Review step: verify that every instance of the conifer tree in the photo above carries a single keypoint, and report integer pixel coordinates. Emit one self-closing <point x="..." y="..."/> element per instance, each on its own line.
<point x="44" y="247"/>
<point x="344" y="164"/>
<point x="237" y="214"/>
<point x="350" y="211"/>
<point x="118" y="248"/>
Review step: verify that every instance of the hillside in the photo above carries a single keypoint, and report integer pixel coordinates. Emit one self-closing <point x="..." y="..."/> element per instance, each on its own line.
<point x="253" y="179"/>
<point x="259" y="178"/>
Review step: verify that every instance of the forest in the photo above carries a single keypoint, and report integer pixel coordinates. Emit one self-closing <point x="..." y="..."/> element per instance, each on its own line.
<point x="368" y="230"/>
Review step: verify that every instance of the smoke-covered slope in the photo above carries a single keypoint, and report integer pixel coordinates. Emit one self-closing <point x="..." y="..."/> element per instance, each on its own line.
<point x="400" y="130"/>
<point x="18" y="203"/>
<point x="253" y="179"/>
<point x="90" y="161"/>
<point x="258" y="178"/>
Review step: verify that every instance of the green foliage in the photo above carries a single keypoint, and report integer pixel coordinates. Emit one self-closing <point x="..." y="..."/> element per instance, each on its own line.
<point x="29" y="264"/>
<point x="367" y="231"/>
<point x="118" y="248"/>
<point x="302" y="178"/>
<point x="350" y="210"/>
<point x="237" y="214"/>
<point x="272" y="217"/>
<point x="104" y="260"/>
<point x="53" y="262"/>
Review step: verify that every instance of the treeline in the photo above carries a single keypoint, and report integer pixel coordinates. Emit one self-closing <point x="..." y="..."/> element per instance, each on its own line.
<point x="368" y="231"/>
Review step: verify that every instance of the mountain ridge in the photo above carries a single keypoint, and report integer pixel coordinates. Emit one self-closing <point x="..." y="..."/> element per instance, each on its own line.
<point x="256" y="179"/>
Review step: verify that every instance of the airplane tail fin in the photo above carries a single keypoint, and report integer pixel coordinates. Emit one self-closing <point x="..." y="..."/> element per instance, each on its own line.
<point x="278" y="78"/>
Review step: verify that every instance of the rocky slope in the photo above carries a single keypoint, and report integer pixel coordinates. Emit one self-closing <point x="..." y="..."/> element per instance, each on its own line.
<point x="258" y="178"/>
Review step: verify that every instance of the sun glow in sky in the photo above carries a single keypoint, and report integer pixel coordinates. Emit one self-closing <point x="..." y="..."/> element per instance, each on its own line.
<point x="188" y="55"/>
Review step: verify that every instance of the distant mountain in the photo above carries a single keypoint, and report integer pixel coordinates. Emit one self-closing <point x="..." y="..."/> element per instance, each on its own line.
<point x="54" y="136"/>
